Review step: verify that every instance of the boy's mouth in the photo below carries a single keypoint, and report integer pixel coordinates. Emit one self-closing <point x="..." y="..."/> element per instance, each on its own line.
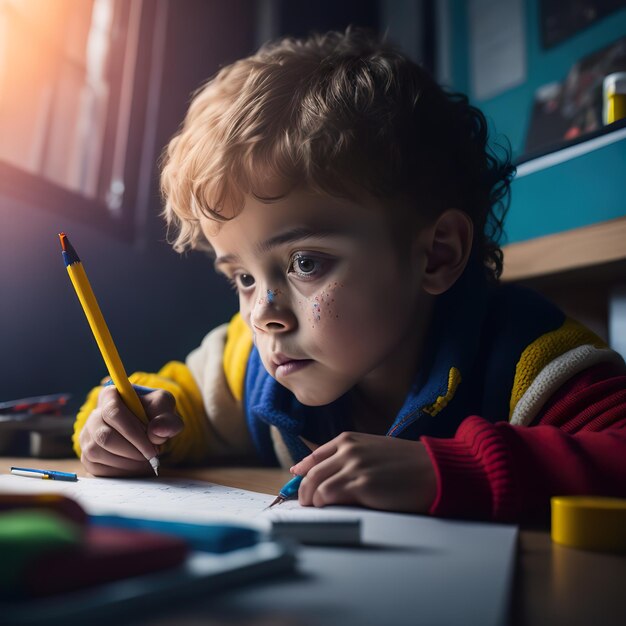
<point x="285" y="365"/>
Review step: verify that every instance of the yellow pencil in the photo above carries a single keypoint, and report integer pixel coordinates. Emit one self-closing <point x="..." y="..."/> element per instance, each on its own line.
<point x="102" y="335"/>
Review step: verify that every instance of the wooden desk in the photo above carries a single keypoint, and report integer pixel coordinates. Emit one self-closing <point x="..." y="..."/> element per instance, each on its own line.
<point x="554" y="585"/>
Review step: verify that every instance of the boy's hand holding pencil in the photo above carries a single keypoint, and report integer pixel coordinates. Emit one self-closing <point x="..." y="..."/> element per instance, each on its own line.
<point x="123" y="432"/>
<point x="115" y="443"/>
<point x="375" y="471"/>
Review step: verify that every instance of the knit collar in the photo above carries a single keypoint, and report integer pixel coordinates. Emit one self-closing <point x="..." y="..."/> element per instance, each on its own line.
<point x="449" y="356"/>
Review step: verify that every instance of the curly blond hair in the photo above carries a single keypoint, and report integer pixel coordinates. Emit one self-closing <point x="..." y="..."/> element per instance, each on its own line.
<point x="339" y="113"/>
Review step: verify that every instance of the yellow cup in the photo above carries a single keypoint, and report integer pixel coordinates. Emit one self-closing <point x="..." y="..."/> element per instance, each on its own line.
<point x="614" y="97"/>
<point x="590" y="523"/>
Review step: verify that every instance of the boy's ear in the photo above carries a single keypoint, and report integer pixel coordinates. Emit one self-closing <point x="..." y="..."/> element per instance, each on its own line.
<point x="447" y="247"/>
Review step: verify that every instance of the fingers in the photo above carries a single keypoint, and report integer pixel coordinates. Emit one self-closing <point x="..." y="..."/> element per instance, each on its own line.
<point x="164" y="423"/>
<point x="98" y="435"/>
<point x="327" y="483"/>
<point x="106" y="453"/>
<point x="328" y="472"/>
<point x="376" y="471"/>
<point x="114" y="442"/>
<point x="111" y="465"/>
<point x="115" y="414"/>
<point x="318" y="455"/>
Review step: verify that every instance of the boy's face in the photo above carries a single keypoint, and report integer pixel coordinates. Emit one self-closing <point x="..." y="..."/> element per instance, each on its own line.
<point x="331" y="301"/>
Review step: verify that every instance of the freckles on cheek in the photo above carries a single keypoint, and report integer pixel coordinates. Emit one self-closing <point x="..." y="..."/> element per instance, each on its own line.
<point x="321" y="306"/>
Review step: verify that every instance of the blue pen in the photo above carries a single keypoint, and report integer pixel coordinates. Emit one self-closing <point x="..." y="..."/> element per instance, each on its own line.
<point x="290" y="490"/>
<point x="45" y="474"/>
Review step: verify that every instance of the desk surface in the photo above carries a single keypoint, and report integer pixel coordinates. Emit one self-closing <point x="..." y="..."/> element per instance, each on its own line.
<point x="553" y="585"/>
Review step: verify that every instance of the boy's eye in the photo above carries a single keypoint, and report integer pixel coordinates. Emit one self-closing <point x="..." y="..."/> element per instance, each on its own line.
<point x="305" y="266"/>
<point x="244" y="280"/>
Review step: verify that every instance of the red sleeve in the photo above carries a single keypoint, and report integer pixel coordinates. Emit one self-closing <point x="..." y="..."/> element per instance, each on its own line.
<point x="577" y="445"/>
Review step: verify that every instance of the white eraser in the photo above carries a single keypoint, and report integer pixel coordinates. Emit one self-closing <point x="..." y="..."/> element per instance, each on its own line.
<point x="326" y="533"/>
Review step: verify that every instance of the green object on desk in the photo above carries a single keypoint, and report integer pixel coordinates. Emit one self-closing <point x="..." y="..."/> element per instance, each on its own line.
<point x="26" y="535"/>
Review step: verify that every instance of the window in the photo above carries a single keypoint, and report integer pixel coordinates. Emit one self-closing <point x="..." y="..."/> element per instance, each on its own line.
<point x="74" y="82"/>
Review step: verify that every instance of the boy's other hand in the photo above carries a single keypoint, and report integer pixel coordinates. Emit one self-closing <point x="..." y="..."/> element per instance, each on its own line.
<point x="114" y="442"/>
<point x="368" y="470"/>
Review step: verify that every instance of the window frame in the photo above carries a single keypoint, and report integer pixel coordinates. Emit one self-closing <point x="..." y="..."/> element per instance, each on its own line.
<point x="125" y="155"/>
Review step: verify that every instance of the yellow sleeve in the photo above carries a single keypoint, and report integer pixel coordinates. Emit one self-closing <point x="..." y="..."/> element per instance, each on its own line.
<point x="236" y="353"/>
<point x="192" y="444"/>
<point x="544" y="350"/>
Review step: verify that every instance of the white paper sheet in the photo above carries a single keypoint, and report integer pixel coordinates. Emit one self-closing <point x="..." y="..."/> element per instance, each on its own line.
<point x="165" y="498"/>
<point x="169" y="498"/>
<point x="409" y="568"/>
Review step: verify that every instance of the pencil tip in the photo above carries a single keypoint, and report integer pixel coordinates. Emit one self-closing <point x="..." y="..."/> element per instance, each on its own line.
<point x="154" y="463"/>
<point x="63" y="240"/>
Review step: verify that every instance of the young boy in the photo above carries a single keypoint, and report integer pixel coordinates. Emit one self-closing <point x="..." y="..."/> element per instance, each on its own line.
<point x="356" y="209"/>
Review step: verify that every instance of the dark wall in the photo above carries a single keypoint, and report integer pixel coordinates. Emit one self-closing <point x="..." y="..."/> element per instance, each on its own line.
<point x="158" y="305"/>
<point x="300" y="19"/>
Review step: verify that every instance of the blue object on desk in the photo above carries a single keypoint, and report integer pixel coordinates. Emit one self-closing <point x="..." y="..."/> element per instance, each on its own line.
<point x="45" y="474"/>
<point x="216" y="538"/>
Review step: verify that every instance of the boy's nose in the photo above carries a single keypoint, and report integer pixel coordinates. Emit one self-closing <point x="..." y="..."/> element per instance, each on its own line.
<point x="272" y="313"/>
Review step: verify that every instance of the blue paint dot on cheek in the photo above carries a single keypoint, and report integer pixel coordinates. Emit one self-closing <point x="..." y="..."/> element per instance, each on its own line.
<point x="316" y="311"/>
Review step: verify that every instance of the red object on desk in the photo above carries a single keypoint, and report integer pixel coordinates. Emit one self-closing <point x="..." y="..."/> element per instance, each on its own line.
<point x="105" y="555"/>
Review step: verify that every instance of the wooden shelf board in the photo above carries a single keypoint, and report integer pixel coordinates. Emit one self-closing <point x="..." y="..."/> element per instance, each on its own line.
<point x="578" y="248"/>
